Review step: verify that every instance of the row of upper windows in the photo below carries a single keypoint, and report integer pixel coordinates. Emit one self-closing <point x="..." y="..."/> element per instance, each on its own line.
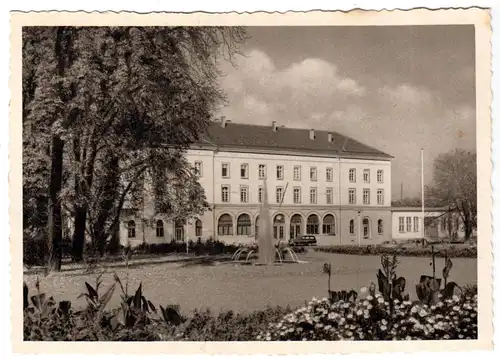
<point x="408" y="224"/>
<point x="297" y="175"/>
<point x="366" y="175"/>
<point x="297" y="195"/>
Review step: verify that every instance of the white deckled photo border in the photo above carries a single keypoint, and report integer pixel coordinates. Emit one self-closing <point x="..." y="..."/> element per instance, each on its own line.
<point x="480" y="18"/>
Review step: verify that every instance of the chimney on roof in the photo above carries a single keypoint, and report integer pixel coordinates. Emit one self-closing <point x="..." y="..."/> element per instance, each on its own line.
<point x="275" y="128"/>
<point x="224" y="122"/>
<point x="311" y="134"/>
<point x="330" y="137"/>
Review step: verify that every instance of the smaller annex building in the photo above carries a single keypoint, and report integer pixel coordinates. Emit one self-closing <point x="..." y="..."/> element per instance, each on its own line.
<point x="439" y="223"/>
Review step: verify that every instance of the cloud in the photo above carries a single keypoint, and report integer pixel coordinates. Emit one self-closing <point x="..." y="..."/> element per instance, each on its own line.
<point x="312" y="93"/>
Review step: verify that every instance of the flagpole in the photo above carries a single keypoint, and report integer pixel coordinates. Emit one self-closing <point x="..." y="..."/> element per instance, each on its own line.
<point x="423" y="197"/>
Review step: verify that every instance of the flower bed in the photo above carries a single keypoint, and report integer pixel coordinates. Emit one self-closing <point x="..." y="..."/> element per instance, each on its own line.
<point x="372" y="319"/>
<point x="453" y="251"/>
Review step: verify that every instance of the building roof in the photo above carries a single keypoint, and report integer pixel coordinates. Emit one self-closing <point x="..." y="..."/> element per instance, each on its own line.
<point x="238" y="136"/>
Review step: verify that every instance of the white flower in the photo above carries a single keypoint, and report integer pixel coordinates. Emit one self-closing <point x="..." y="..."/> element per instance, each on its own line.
<point x="349" y="316"/>
<point x="369" y="297"/>
<point x="414" y="310"/>
<point x="383" y="328"/>
<point x="380" y="300"/>
<point x="359" y="312"/>
<point x="384" y="322"/>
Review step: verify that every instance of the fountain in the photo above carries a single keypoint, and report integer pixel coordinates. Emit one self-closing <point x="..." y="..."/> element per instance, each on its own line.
<point x="267" y="249"/>
<point x="269" y="252"/>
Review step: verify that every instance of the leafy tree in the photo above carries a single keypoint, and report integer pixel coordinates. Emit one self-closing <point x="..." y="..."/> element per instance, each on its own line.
<point x="128" y="102"/>
<point x="455" y="185"/>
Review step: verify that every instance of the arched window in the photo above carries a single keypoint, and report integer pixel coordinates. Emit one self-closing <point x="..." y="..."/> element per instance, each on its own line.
<point x="380" y="226"/>
<point x="159" y="228"/>
<point x="351" y="226"/>
<point x="131" y="229"/>
<point x="366" y="228"/>
<point x="243" y="225"/>
<point x="312" y="224"/>
<point x="225" y="226"/>
<point x="329" y="225"/>
<point x="198" y="228"/>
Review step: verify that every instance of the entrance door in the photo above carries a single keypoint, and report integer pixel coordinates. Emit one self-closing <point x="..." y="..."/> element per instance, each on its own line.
<point x="179" y="231"/>
<point x="295" y="224"/>
<point x="279" y="227"/>
<point x="294" y="231"/>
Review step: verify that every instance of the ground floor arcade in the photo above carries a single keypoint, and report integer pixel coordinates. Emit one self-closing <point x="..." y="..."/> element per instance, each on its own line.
<point x="232" y="224"/>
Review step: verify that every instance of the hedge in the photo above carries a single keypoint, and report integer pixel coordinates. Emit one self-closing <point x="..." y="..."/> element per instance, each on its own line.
<point x="452" y="251"/>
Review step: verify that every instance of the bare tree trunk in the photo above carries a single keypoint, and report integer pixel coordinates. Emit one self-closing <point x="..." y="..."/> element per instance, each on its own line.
<point x="55" y="223"/>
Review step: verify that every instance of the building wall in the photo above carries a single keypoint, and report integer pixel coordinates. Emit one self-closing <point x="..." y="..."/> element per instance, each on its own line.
<point x="212" y="181"/>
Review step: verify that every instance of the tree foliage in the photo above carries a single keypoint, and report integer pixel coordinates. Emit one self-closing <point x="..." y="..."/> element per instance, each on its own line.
<point x="128" y="104"/>
<point x="455" y="185"/>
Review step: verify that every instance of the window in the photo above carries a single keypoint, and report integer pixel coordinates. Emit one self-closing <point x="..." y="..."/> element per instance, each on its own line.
<point x="352" y="195"/>
<point x="401" y="224"/>
<point x="380" y="196"/>
<point x="198" y="168"/>
<point x="296" y="173"/>
<point x="329" y="195"/>
<point x="329" y="174"/>
<point x="366" y="228"/>
<point x="313" y="195"/>
<point x="380" y="226"/>
<point x="366" y="176"/>
<point x="312" y="226"/>
<point x="159" y="228"/>
<point x="131" y="229"/>
<point x="279" y="194"/>
<point x="366" y="196"/>
<point x="313" y="174"/>
<point x="351" y="226"/>
<point x="225" y="170"/>
<point x="225" y="225"/>
<point x="352" y="175"/>
<point x="296" y="195"/>
<point x="415" y="224"/>
<point x="262" y="171"/>
<point x="225" y="192"/>
<point x="380" y="176"/>
<point x="198" y="228"/>
<point x="244" y="171"/>
<point x="280" y="170"/>
<point x="408" y="224"/>
<point x="261" y="193"/>
<point x="243" y="225"/>
<point x="244" y="194"/>
<point x="329" y="225"/>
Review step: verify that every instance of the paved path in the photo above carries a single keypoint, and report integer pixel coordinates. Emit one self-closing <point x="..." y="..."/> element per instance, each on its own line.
<point x="132" y="263"/>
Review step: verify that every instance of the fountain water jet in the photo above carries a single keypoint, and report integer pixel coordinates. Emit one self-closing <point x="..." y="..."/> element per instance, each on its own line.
<point x="269" y="252"/>
<point x="266" y="250"/>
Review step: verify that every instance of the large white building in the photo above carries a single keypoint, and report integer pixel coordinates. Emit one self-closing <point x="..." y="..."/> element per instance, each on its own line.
<point x="318" y="182"/>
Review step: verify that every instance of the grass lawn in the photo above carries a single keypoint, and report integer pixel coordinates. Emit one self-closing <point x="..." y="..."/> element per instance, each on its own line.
<point x="245" y="287"/>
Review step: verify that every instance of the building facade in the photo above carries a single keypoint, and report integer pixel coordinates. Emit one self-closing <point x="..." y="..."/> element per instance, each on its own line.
<point x="318" y="182"/>
<point x="439" y="223"/>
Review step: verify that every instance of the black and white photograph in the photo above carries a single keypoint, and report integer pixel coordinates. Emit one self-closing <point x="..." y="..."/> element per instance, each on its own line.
<point x="254" y="182"/>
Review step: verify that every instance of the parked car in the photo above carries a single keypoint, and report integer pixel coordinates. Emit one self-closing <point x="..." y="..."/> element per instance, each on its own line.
<point x="304" y="240"/>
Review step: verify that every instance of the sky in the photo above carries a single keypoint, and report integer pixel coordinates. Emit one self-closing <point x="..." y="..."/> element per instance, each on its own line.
<point x="398" y="89"/>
